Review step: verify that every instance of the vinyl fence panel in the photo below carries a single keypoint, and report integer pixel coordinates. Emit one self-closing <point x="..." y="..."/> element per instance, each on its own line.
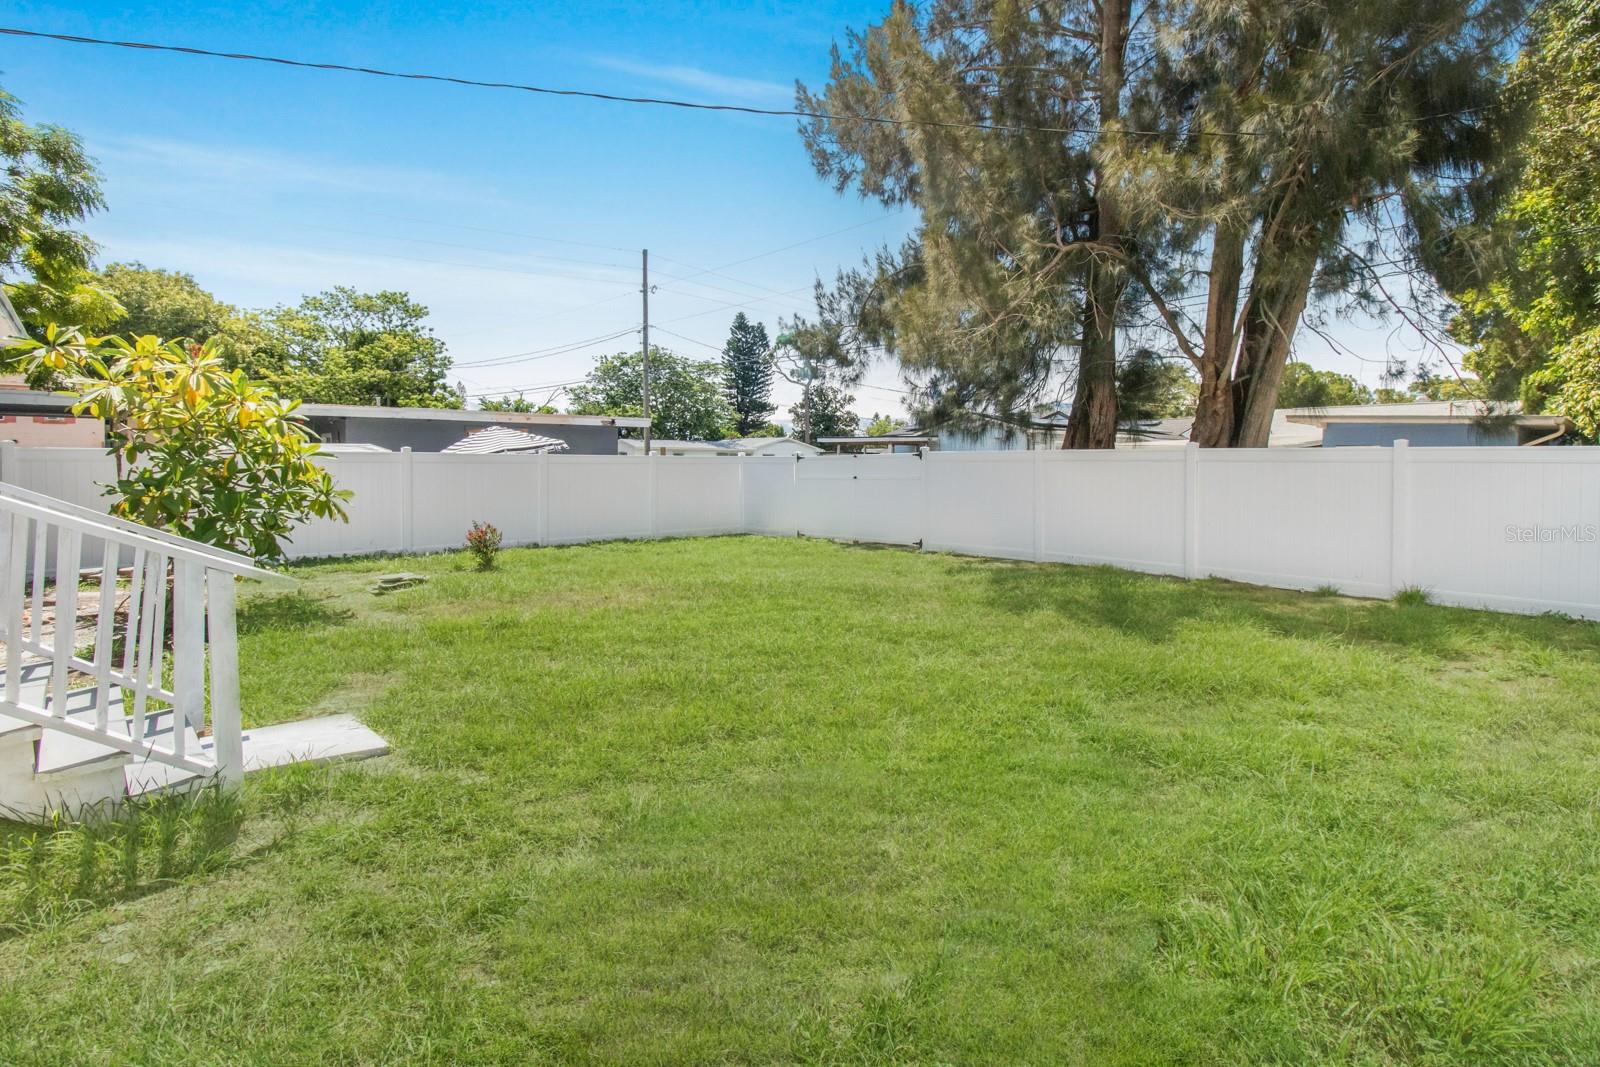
<point x="449" y="493"/>
<point x="1298" y="519"/>
<point x="769" y="495"/>
<point x="982" y="503"/>
<point x="1508" y="529"/>
<point x="1125" y="509"/>
<point x="600" y="498"/>
<point x="697" y="496"/>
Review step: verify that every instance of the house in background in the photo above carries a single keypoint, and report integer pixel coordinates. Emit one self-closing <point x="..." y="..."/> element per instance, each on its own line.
<point x="436" y="429"/>
<point x="732" y="446"/>
<point x="36" y="418"/>
<point x="1433" y="424"/>
<point x="1174" y="433"/>
<point x="1430" y="424"/>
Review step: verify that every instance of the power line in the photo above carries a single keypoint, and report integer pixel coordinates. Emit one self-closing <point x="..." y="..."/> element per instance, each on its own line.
<point x="532" y="387"/>
<point x="787" y="247"/>
<point x="691" y="340"/>
<point x="724" y="307"/>
<point x="883" y="120"/>
<point x="502" y="233"/>
<point x="656" y="101"/>
<point x="545" y="353"/>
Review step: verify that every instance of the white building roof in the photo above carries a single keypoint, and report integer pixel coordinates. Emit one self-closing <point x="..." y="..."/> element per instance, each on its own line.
<point x="1434" y="411"/>
<point x="495" y="440"/>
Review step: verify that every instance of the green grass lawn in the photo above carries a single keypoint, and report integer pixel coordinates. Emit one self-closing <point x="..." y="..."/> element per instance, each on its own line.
<point x="749" y="800"/>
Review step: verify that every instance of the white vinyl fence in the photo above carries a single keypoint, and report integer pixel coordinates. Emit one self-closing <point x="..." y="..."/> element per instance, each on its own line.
<point x="1513" y="529"/>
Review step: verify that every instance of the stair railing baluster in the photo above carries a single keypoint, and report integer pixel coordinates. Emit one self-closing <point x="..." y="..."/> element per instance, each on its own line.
<point x="41" y="559"/>
<point x="188" y="651"/>
<point x="103" y="623"/>
<point x="150" y="637"/>
<point x="15" y="593"/>
<point x="68" y="545"/>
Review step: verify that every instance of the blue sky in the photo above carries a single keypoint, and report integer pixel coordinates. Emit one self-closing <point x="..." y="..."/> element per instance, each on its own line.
<point x="516" y="218"/>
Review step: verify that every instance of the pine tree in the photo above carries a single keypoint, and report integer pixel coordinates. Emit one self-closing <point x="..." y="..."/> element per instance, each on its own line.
<point x="1019" y="251"/>
<point x="747" y="375"/>
<point x="1087" y="168"/>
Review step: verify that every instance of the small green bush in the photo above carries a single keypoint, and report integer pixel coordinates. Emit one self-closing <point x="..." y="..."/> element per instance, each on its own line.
<point x="483" y="541"/>
<point x="1412" y="596"/>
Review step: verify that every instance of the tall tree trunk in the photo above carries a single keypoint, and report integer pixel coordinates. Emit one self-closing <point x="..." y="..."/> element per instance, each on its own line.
<point x="1277" y="300"/>
<point x="1093" y="420"/>
<point x="1092" y="423"/>
<point x="1213" y="417"/>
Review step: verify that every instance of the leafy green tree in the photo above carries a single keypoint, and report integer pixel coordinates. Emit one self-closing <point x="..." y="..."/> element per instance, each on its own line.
<point x="47" y="187"/>
<point x="172" y="305"/>
<point x="348" y="347"/>
<point x="201" y="450"/>
<point x="1149" y="387"/>
<point x="1534" y="324"/>
<point x="879" y="425"/>
<point x="747" y="374"/>
<point x="1438" y="387"/>
<point x="771" y="429"/>
<point x="686" y="398"/>
<point x="515" y="403"/>
<point x="1304" y="386"/>
<point x="163" y="303"/>
<point x="825" y="414"/>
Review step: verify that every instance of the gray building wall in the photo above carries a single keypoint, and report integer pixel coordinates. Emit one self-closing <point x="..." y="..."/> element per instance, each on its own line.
<point x="435" y="435"/>
<point x="1423" y="435"/>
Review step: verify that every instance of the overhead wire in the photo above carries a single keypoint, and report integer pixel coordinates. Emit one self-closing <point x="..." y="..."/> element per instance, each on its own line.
<point x="654" y="101"/>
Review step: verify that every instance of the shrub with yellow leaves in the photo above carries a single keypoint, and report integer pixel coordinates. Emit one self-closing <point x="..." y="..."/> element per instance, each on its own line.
<point x="201" y="450"/>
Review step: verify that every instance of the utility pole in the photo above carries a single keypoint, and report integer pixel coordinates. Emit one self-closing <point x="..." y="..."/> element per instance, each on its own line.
<point x="645" y="292"/>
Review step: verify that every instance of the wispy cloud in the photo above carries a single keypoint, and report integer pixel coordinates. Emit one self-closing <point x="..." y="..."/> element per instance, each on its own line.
<point x="725" y="88"/>
<point x="171" y="163"/>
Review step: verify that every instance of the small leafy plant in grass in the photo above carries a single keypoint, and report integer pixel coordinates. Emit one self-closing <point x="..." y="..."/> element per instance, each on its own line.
<point x="1327" y="590"/>
<point x="1412" y="596"/>
<point x="483" y="541"/>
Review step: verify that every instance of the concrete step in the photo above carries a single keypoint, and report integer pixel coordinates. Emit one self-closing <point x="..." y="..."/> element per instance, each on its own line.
<point x="63" y="753"/>
<point x="10" y="726"/>
<point x="145" y="774"/>
<point x="35" y="678"/>
<point x="320" y="740"/>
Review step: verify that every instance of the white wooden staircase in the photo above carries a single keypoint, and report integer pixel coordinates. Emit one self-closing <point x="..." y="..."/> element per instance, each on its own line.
<point x="93" y="710"/>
